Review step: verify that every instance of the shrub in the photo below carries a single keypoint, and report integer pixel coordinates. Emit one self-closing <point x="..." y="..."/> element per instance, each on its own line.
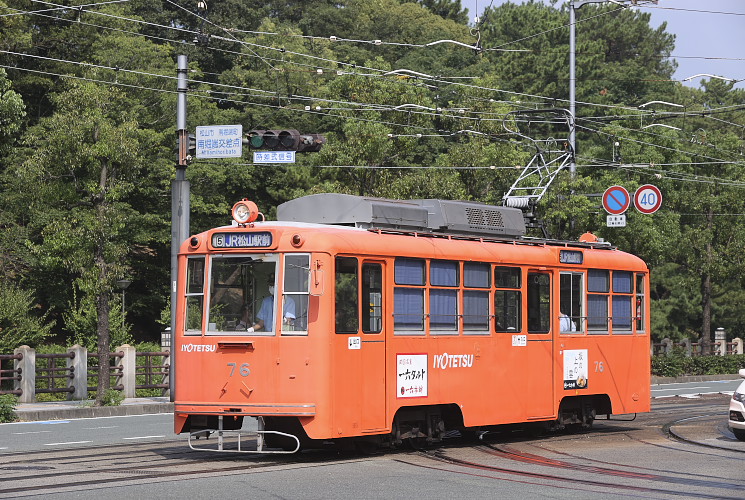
<point x="677" y="364"/>
<point x="112" y="397"/>
<point x="8" y="404"/>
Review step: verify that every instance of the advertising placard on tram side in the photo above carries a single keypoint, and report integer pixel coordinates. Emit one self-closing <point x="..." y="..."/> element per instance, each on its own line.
<point x="575" y="369"/>
<point x="411" y="375"/>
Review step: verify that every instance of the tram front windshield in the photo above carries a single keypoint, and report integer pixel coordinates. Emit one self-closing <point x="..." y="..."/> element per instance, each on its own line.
<point x="238" y="288"/>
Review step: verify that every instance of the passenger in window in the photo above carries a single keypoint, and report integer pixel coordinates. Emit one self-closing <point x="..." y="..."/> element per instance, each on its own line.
<point x="566" y="323"/>
<point x="243" y="323"/>
<point x="265" y="316"/>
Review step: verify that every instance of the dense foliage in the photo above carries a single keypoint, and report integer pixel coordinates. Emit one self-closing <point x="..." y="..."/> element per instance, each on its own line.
<point x="87" y="128"/>
<point x="8" y="403"/>
<point x="677" y="364"/>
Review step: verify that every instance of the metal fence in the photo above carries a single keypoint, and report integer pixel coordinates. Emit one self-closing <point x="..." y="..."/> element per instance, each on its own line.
<point x="27" y="373"/>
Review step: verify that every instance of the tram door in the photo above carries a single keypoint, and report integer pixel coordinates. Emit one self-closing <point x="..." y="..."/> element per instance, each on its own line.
<point x="540" y="346"/>
<point x="360" y="345"/>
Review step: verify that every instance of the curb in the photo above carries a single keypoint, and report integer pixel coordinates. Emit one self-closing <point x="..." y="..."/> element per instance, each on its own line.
<point x="44" y="414"/>
<point x="692" y="378"/>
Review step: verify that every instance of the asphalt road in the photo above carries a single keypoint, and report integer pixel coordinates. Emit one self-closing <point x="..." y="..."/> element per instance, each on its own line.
<point x="620" y="459"/>
<point x="692" y="389"/>
<point x="104" y="431"/>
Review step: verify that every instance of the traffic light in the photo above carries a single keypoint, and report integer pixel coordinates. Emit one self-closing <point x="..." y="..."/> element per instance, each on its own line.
<point x="285" y="140"/>
<point x="191" y="146"/>
<point x="311" y="143"/>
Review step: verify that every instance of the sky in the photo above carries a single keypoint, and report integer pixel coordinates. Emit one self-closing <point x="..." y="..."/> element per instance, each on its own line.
<point x="709" y="35"/>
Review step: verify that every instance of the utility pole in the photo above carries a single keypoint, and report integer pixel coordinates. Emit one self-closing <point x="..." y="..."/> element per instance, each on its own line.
<point x="573" y="6"/>
<point x="180" y="189"/>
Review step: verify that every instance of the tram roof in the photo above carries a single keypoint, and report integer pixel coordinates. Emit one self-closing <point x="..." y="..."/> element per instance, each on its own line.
<point x="424" y="215"/>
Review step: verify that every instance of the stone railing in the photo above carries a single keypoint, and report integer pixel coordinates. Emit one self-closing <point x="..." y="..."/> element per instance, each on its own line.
<point x="131" y="371"/>
<point x="720" y="347"/>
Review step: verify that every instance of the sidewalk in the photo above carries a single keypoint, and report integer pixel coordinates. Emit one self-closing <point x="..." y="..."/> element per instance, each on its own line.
<point x="62" y="410"/>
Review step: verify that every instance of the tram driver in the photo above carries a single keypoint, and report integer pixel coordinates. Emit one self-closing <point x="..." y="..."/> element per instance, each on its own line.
<point x="265" y="316"/>
<point x="566" y="323"/>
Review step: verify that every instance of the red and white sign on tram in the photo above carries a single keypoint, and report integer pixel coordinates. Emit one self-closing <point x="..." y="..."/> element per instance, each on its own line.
<point x="648" y="199"/>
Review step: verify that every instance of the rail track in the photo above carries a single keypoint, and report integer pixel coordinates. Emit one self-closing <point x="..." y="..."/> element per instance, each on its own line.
<point x="608" y="460"/>
<point x="56" y="471"/>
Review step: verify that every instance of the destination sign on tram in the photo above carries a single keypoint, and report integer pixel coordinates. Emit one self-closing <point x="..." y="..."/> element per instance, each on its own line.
<point x="571" y="257"/>
<point x="242" y="240"/>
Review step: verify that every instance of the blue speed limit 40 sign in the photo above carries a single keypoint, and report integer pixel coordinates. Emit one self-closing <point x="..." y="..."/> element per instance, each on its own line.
<point x="648" y="199"/>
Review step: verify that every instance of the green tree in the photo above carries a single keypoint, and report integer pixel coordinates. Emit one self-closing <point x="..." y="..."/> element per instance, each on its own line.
<point x="80" y="172"/>
<point x="448" y="9"/>
<point x="18" y="326"/>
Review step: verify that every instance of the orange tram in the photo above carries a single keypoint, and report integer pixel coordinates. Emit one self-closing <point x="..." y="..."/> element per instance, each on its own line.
<point x="371" y="322"/>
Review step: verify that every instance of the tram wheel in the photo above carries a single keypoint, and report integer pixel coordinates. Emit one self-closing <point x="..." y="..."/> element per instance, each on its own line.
<point x="535" y="430"/>
<point x="366" y="446"/>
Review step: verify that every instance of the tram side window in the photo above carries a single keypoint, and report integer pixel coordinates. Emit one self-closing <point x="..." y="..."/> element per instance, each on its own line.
<point x="477" y="281"/>
<point x="408" y="295"/>
<point x="443" y="300"/>
<point x="623" y="289"/>
<point x="507" y="299"/>
<point x="597" y="300"/>
<point x="639" y="315"/>
<point x="194" y="295"/>
<point x="347" y="318"/>
<point x="570" y="302"/>
<point x="539" y="303"/>
<point x="295" y="289"/>
<point x="372" y="298"/>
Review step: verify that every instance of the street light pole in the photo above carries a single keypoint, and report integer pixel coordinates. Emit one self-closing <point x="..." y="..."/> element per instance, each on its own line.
<point x="572" y="84"/>
<point x="573" y="6"/>
<point x="123" y="284"/>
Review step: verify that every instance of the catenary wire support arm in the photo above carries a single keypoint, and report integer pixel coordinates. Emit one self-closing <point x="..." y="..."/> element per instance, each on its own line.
<point x="551" y="155"/>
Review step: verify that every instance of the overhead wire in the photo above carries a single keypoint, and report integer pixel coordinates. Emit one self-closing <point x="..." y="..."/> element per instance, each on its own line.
<point x="378" y="107"/>
<point x="439" y="80"/>
<point x="673" y="175"/>
<point x="306" y="55"/>
<point x="64" y="7"/>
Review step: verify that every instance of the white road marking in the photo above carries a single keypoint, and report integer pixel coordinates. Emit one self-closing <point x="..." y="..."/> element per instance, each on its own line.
<point x="144" y="437"/>
<point x="68" y="442"/>
<point x="30" y="432"/>
<point x="102" y="427"/>
<point x="678" y="389"/>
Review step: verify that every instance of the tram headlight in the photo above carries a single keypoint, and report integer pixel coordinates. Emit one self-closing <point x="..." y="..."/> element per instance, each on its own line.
<point x="245" y="211"/>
